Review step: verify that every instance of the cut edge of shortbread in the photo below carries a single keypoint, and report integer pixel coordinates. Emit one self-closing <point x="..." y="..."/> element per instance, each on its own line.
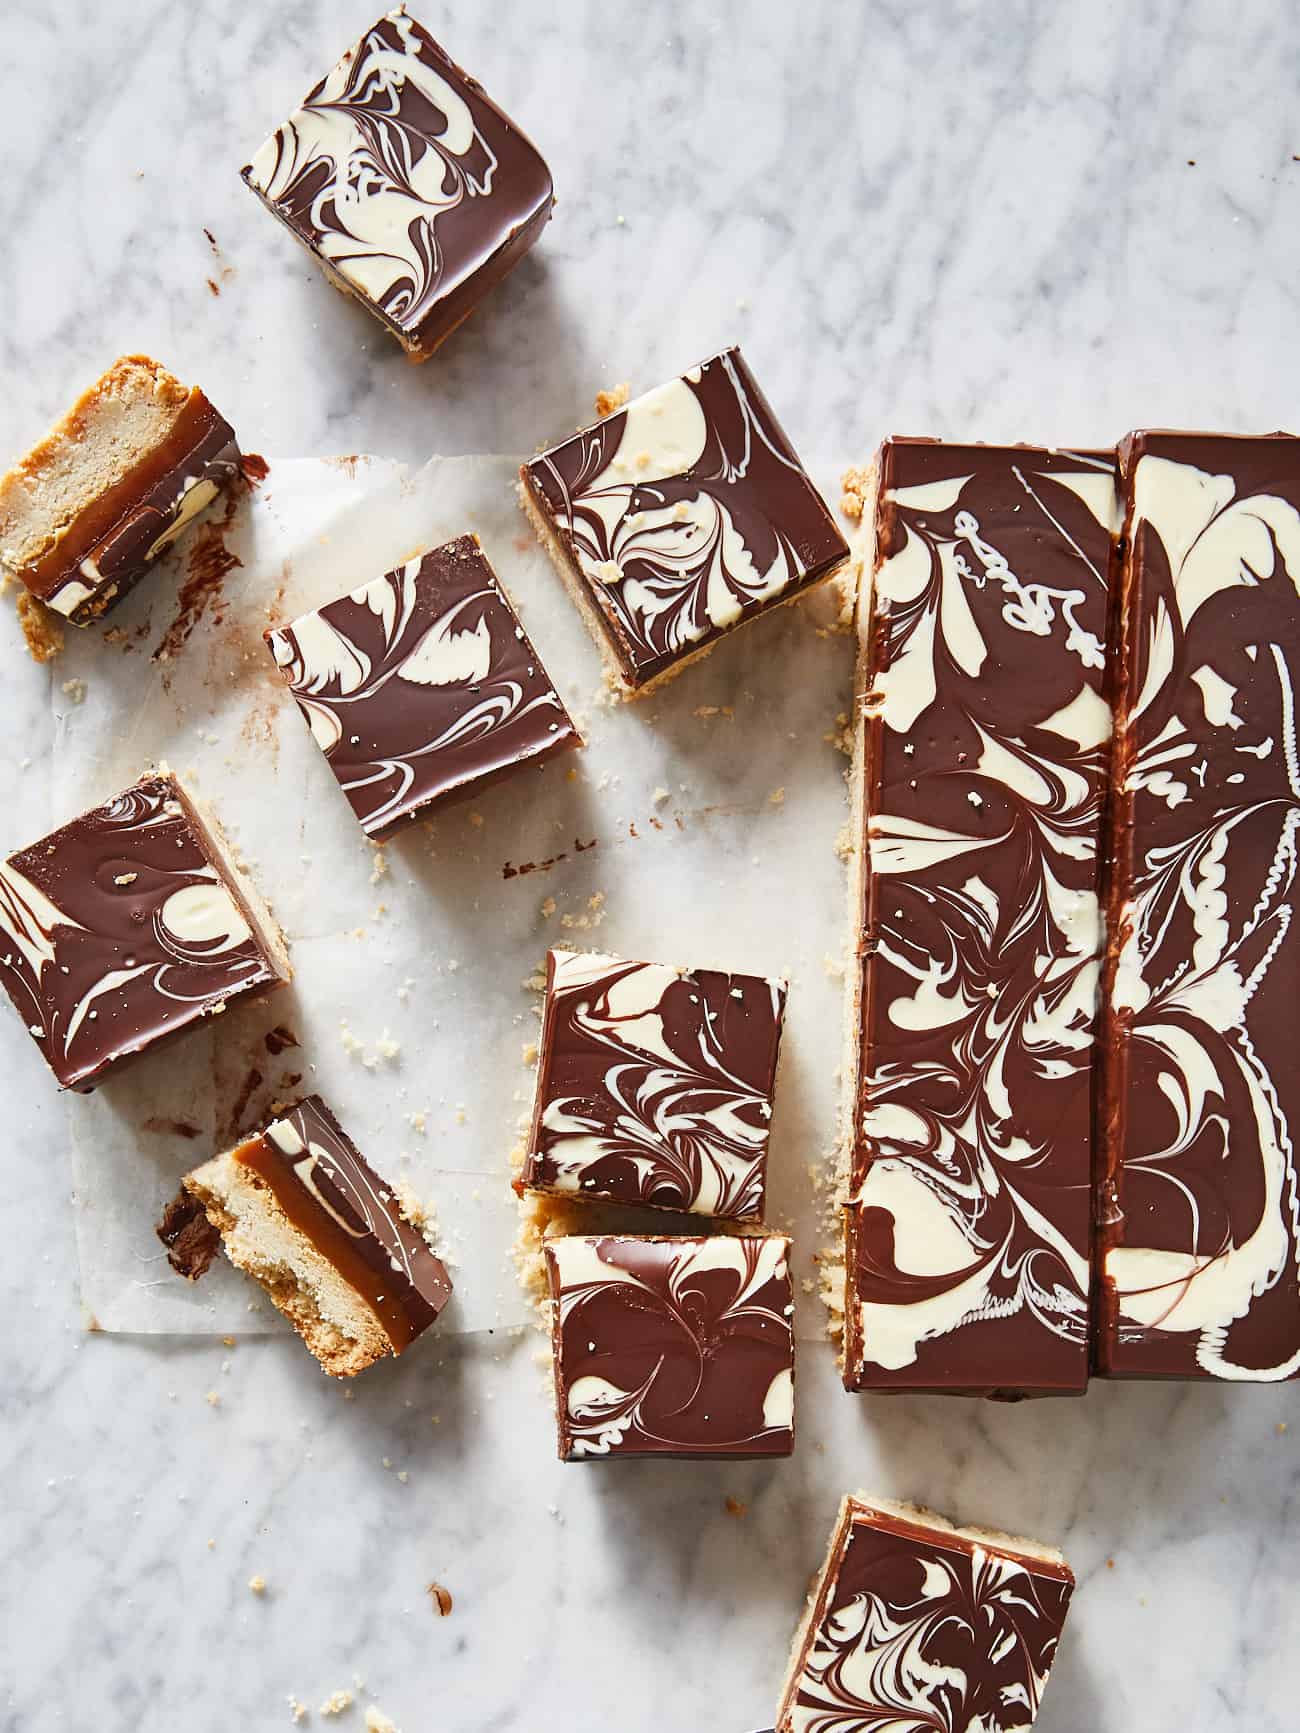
<point x="124" y="416"/>
<point x="340" y="1327"/>
<point x="834" y="1264"/>
<point x="216" y="845"/>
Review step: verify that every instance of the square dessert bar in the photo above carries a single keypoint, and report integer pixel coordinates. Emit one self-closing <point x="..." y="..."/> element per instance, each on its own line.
<point x="1199" y="1224"/>
<point x="914" y="1623"/>
<point x="135" y="460"/>
<point x="672" y="1347"/>
<point x="981" y="765"/>
<point x="654" y="1085"/>
<point x="422" y="685"/>
<point x="677" y="518"/>
<point x="129" y="925"/>
<point x="413" y="190"/>
<point x="302" y="1212"/>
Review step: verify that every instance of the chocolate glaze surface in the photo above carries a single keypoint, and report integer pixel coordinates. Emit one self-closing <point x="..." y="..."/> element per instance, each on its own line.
<point x="108" y="547"/>
<point x="335" y="1198"/>
<point x="421" y="685"/>
<point x="986" y="746"/>
<point x="122" y="928"/>
<point x="673" y="1347"/>
<point x="406" y="180"/>
<point x="685" y="513"/>
<point x="654" y="1085"/>
<point x="918" y="1628"/>
<point x="1200" y="1195"/>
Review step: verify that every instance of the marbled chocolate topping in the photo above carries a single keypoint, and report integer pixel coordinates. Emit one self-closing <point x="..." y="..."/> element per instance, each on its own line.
<point x="421" y="685"/>
<point x="110" y="545"/>
<point x="968" y="1230"/>
<point x="655" y="1085"/>
<point x="335" y="1198"/>
<point x="122" y="928"/>
<point x="685" y="513"/>
<point x="918" y="1629"/>
<point x="1200" y="1198"/>
<point x="673" y="1347"/>
<point x="410" y="185"/>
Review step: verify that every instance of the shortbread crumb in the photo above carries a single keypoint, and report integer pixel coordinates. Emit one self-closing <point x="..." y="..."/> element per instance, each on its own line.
<point x="608" y="401"/>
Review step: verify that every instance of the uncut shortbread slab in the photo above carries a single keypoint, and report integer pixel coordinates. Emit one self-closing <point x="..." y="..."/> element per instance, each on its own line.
<point x="135" y="460"/>
<point x="982" y="752"/>
<point x="914" y="1623"/>
<point x="1199" y="1237"/>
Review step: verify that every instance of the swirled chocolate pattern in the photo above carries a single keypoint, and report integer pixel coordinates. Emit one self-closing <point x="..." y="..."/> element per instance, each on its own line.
<point x="917" y="1627"/>
<point x="1200" y="1217"/>
<point x="985" y="742"/>
<point x="411" y="187"/>
<point x="654" y="1085"/>
<point x="682" y="515"/>
<point x="672" y="1347"/>
<point x="422" y="685"/>
<point x="126" y="926"/>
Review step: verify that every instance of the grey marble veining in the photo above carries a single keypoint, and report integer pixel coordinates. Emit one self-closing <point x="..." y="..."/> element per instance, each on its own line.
<point x="971" y="219"/>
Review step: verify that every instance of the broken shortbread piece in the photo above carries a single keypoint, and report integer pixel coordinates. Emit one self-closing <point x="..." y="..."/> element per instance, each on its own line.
<point x="302" y="1212"/>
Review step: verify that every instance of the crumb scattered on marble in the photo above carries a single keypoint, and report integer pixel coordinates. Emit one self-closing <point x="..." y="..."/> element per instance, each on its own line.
<point x="856" y="486"/>
<point x="75" y="691"/>
<point x="213" y="1399"/>
<point x="257" y="1585"/>
<point x="379" y="866"/>
<point x="441" y="1598"/>
<point x="608" y="401"/>
<point x="548" y="908"/>
<point x="42" y="632"/>
<point x="777" y="797"/>
<point x="378" y="1722"/>
<point x="298" y="1711"/>
<point x="734" y="1506"/>
<point x="336" y="1703"/>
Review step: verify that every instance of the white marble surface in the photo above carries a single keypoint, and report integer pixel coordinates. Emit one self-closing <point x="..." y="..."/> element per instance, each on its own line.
<point x="973" y="219"/>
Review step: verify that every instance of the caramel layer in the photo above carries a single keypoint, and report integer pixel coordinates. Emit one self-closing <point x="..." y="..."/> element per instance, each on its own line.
<point x="333" y="1243"/>
<point x="97" y="521"/>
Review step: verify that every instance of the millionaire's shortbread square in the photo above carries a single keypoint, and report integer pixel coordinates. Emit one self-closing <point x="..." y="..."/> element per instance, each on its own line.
<point x="677" y="518"/>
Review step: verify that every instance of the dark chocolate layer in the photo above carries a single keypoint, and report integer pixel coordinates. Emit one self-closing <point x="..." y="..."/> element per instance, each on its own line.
<point x="654" y="1085"/>
<point x="986" y="745"/>
<point x="122" y="928"/>
<point x="916" y="1627"/>
<point x="407" y="181"/>
<point x="684" y="514"/>
<point x="191" y="1240"/>
<point x="673" y="1347"/>
<point x="335" y="1199"/>
<point x="422" y="685"/>
<point x="1200" y="1194"/>
<point x="109" y="546"/>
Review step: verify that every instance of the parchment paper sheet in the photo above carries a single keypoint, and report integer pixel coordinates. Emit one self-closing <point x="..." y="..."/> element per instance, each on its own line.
<point x="698" y="827"/>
